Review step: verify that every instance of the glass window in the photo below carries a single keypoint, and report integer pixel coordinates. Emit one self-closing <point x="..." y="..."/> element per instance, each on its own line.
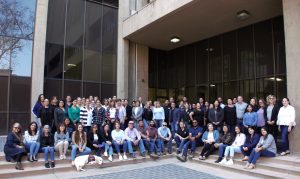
<point x="53" y="87"/>
<point x="202" y="91"/>
<point x="231" y="90"/>
<point x="92" y="64"/>
<point x="190" y="64"/>
<point x="202" y="62"/>
<point x="245" y="53"/>
<point x="279" y="45"/>
<point x="263" y="49"/>
<point x="54" y="61"/>
<point x="21" y="59"/>
<point x="108" y="90"/>
<point x="264" y="87"/>
<point x="73" y="63"/>
<point x="215" y="59"/>
<point x="215" y="91"/>
<point x="281" y="84"/>
<point x="229" y="56"/>
<point x="72" y="87"/>
<point x="180" y="72"/>
<point x="152" y="68"/>
<point x="247" y="89"/>
<point x="4" y="91"/>
<point x="114" y="3"/>
<point x="172" y="73"/>
<point x="91" y="89"/>
<point x="20" y="102"/>
<point x="3" y="123"/>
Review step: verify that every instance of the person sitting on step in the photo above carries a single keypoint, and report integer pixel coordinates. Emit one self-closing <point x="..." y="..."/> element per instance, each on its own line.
<point x="47" y="145"/>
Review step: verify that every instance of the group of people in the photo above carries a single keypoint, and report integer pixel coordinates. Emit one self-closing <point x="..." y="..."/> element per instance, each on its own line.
<point x="89" y="125"/>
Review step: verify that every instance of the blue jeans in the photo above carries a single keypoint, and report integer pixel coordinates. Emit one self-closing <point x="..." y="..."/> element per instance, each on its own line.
<point x="190" y="144"/>
<point x="48" y="150"/>
<point x="158" y="122"/>
<point x="33" y="148"/>
<point x="222" y="148"/>
<point x="255" y="155"/>
<point x="180" y="143"/>
<point x="246" y="153"/>
<point x="145" y="123"/>
<point x="230" y="150"/>
<point x="117" y="146"/>
<point x="86" y="151"/>
<point x="109" y="149"/>
<point x="140" y="144"/>
<point x="153" y="145"/>
<point x="87" y="129"/>
<point x="162" y="142"/>
<point x="285" y="138"/>
<point x="174" y="128"/>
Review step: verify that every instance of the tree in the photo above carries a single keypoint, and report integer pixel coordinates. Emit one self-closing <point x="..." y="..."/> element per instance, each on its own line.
<point x="16" y="23"/>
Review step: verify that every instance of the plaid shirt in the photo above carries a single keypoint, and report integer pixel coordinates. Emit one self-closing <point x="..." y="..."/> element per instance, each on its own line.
<point x="98" y="115"/>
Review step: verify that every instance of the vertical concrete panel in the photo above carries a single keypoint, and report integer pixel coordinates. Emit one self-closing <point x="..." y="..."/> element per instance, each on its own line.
<point x="291" y="14"/>
<point x="39" y="43"/>
<point x="142" y="71"/>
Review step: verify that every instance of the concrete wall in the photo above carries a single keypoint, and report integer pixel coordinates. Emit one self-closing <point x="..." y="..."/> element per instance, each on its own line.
<point x="39" y="43"/>
<point x="291" y="15"/>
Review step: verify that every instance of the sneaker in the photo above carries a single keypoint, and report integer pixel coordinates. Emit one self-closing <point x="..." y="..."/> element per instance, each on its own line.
<point x="105" y="154"/>
<point x="30" y="159"/>
<point x="47" y="165"/>
<point x="34" y="158"/>
<point x="110" y="158"/>
<point x="143" y="154"/>
<point x="223" y="161"/>
<point x="120" y="157"/>
<point x="191" y="155"/>
<point x="229" y="162"/>
<point x="73" y="163"/>
<point x="61" y="157"/>
<point x="124" y="157"/>
<point x="52" y="164"/>
<point x="65" y="157"/>
<point x="219" y="160"/>
<point x="283" y="153"/>
<point x="181" y="158"/>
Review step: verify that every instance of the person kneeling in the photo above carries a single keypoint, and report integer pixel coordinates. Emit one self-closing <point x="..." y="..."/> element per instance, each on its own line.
<point x="81" y="161"/>
<point x="265" y="147"/>
<point x="209" y="138"/>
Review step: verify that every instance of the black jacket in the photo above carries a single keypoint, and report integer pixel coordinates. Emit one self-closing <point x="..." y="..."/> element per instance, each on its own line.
<point x="47" y="140"/>
<point x="274" y="113"/>
<point x="147" y="114"/>
<point x="90" y="140"/>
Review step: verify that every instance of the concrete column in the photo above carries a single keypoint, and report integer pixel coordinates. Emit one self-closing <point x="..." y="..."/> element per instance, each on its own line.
<point x="39" y="44"/>
<point x="142" y="64"/>
<point x="123" y="53"/>
<point x="291" y="15"/>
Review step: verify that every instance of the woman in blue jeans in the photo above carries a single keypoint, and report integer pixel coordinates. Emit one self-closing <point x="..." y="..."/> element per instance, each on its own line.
<point x="79" y="141"/>
<point x="47" y="145"/>
<point x="226" y="139"/>
<point x="118" y="137"/>
<point x="265" y="147"/>
<point x="106" y="136"/>
<point x="31" y="141"/>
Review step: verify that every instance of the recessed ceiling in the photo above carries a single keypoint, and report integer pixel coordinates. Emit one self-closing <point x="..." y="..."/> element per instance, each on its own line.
<point x="203" y="19"/>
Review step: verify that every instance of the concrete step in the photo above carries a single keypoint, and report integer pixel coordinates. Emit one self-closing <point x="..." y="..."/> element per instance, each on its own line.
<point x="257" y="172"/>
<point x="37" y="168"/>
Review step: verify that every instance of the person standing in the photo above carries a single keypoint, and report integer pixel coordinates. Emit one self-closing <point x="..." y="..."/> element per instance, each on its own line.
<point x="174" y="117"/>
<point x="46" y="116"/>
<point x="271" y="113"/>
<point x="166" y="108"/>
<point x="250" y="119"/>
<point x="147" y="113"/>
<point x="137" y="113"/>
<point x="286" y="122"/>
<point x="128" y="112"/>
<point x="261" y="120"/>
<point x="240" y="107"/>
<point x="59" y="114"/>
<point x="14" y="146"/>
<point x="68" y="104"/>
<point x="98" y="115"/>
<point x="230" y="115"/>
<point x="198" y="115"/>
<point x="158" y="114"/>
<point x="121" y="113"/>
<point x="216" y="116"/>
<point x="86" y="116"/>
<point x="74" y="112"/>
<point x="185" y="115"/>
<point x="37" y="107"/>
<point x="112" y="114"/>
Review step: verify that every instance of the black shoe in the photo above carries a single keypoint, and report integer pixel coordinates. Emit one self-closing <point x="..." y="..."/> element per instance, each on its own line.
<point x="143" y="154"/>
<point x="30" y="159"/>
<point x="169" y="152"/>
<point x="219" y="160"/>
<point x="133" y="155"/>
<point x="47" y="165"/>
<point x="181" y="158"/>
<point x="52" y="164"/>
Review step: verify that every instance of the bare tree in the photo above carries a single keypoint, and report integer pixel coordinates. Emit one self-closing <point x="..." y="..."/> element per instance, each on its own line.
<point x="16" y="23"/>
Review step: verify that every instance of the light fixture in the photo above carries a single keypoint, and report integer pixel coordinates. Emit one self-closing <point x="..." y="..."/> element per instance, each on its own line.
<point x="277" y="79"/>
<point x="212" y="85"/>
<point x="243" y="15"/>
<point x="209" y="49"/>
<point x="175" y="40"/>
<point x="72" y="65"/>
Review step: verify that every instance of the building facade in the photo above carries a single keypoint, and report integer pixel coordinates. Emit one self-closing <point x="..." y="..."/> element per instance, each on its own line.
<point x="123" y="48"/>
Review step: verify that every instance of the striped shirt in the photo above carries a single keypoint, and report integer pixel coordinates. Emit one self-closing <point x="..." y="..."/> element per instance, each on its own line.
<point x="86" y="116"/>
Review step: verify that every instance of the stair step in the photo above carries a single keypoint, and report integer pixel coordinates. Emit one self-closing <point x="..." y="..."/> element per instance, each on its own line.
<point x="258" y="172"/>
<point x="66" y="166"/>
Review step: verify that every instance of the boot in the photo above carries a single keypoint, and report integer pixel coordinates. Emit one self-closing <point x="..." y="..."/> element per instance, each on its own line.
<point x="19" y="166"/>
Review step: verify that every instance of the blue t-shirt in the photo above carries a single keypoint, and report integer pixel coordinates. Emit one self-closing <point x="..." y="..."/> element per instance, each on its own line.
<point x="195" y="131"/>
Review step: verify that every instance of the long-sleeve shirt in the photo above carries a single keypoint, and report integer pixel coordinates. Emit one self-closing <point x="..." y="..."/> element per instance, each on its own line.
<point x="86" y="115"/>
<point x="58" y="137"/>
<point x="31" y="138"/>
<point x="267" y="143"/>
<point x="74" y="114"/>
<point x="122" y="114"/>
<point x="59" y="115"/>
<point x="239" y="140"/>
<point x="159" y="113"/>
<point x="118" y="136"/>
<point x="36" y="108"/>
<point x="286" y="115"/>
<point x="250" y="119"/>
<point x="132" y="134"/>
<point x="98" y="115"/>
<point x="261" y="121"/>
<point x="82" y="141"/>
<point x="240" y="109"/>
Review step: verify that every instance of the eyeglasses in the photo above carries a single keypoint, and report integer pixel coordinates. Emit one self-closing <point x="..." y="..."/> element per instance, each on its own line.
<point x="164" y="125"/>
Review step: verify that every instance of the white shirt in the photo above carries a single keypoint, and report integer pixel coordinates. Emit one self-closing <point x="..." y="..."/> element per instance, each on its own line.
<point x="122" y="114"/>
<point x="118" y="136"/>
<point x="112" y="113"/>
<point x="29" y="138"/>
<point x="286" y="115"/>
<point x="95" y="137"/>
<point x="159" y="113"/>
<point x="239" y="140"/>
<point x="210" y="136"/>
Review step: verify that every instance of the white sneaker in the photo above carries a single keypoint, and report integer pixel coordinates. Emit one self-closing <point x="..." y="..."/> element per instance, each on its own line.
<point x="65" y="157"/>
<point x="223" y="161"/>
<point x="61" y="157"/>
<point x="120" y="157"/>
<point x="229" y="162"/>
<point x="73" y="163"/>
<point x="110" y="158"/>
<point x="105" y="154"/>
<point x="124" y="157"/>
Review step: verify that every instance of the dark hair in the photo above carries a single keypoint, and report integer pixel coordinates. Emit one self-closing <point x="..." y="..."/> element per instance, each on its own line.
<point x="61" y="101"/>
<point x="39" y="98"/>
<point x="251" y="107"/>
<point x="29" y="129"/>
<point x="238" y="126"/>
<point x="60" y="125"/>
<point x="91" y="131"/>
<point x="137" y="101"/>
<point x="71" y="123"/>
<point x="287" y="100"/>
<point x="266" y="129"/>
